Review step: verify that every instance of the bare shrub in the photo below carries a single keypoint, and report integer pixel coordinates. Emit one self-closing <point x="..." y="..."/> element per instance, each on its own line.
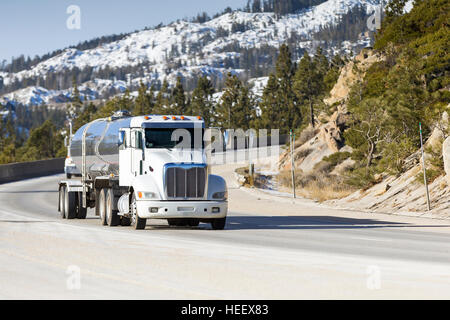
<point x="301" y="154"/>
<point x="317" y="185"/>
<point x="323" y="167"/>
<point x="307" y="134"/>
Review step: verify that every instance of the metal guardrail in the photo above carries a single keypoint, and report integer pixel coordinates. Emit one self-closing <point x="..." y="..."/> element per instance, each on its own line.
<point x="27" y="170"/>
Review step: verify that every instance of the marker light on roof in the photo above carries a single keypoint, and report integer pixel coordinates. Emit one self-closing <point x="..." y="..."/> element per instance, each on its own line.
<point x="165" y="118"/>
<point x="182" y="118"/>
<point x="147" y="118"/>
<point x="174" y="118"/>
<point x="199" y="118"/>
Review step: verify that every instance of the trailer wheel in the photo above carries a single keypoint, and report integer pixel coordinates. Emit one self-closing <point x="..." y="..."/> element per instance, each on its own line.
<point x="81" y="212"/>
<point x="136" y="222"/>
<point x="102" y="207"/>
<point x="70" y="204"/>
<point x="111" y="215"/>
<point x="62" y="205"/>
<point x="218" y="224"/>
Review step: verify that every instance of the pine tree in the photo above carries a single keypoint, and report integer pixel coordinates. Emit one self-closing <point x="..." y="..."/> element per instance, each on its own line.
<point x="42" y="143"/>
<point x="144" y="101"/>
<point x="10" y="130"/>
<point x="178" y="104"/>
<point x="125" y="102"/>
<point x="290" y="114"/>
<point x="86" y="116"/>
<point x="244" y="112"/>
<point x="236" y="109"/>
<point x="321" y="63"/>
<point x="75" y="107"/>
<point x="256" y="6"/>
<point x="225" y="114"/>
<point x="270" y="117"/>
<point x="332" y="75"/>
<point x="308" y="83"/>
<point x="202" y="103"/>
<point x="162" y="101"/>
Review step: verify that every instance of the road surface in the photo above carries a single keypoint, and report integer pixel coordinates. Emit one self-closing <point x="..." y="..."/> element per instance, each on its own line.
<point x="271" y="249"/>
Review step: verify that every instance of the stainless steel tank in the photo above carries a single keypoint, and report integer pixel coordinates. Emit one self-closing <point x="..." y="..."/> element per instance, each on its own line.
<point x="102" y="149"/>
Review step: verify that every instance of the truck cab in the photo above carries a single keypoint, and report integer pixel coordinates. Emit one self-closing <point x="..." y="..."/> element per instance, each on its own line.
<point x="163" y="159"/>
<point x="149" y="167"/>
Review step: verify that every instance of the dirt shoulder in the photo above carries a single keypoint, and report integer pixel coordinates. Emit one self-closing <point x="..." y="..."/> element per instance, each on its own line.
<point x="254" y="201"/>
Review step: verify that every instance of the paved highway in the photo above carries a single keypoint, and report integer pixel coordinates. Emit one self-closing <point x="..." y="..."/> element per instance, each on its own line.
<point x="270" y="249"/>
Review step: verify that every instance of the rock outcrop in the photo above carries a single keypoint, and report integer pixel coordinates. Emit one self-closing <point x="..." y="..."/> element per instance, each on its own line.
<point x="406" y="194"/>
<point x="349" y="75"/>
<point x="329" y="137"/>
<point x="446" y="155"/>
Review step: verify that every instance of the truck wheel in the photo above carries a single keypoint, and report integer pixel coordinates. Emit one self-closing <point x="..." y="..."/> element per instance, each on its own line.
<point x="112" y="218"/>
<point x="136" y="222"/>
<point x="218" y="224"/>
<point x="68" y="176"/>
<point x="70" y="204"/>
<point x="62" y="205"/>
<point x="125" y="221"/>
<point x="102" y="207"/>
<point x="81" y="212"/>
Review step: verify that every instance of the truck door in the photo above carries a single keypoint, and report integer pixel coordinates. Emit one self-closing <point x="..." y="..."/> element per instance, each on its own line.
<point x="137" y="152"/>
<point x="125" y="150"/>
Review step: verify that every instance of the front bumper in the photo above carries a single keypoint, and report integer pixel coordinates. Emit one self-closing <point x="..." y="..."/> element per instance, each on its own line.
<point x="181" y="209"/>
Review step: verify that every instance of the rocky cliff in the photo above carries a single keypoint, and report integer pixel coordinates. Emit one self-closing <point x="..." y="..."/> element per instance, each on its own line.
<point x="327" y="137"/>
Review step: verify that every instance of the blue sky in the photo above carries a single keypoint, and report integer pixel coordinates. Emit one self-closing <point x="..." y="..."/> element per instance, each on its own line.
<point x="33" y="27"/>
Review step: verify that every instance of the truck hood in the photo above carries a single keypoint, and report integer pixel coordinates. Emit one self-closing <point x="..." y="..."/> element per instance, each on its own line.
<point x="157" y="158"/>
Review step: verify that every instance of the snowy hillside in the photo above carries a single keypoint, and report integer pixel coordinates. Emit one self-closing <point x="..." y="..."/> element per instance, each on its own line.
<point x="183" y="49"/>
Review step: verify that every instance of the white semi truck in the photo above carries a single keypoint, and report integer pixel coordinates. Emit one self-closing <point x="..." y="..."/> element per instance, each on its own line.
<point x="139" y="168"/>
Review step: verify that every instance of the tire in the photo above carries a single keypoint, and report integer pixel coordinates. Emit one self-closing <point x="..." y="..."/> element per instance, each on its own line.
<point x="81" y="212"/>
<point x="62" y="205"/>
<point x="70" y="204"/>
<point x="218" y="224"/>
<point x="136" y="222"/>
<point x="112" y="219"/>
<point x="102" y="206"/>
<point x="68" y="176"/>
<point x="125" y="221"/>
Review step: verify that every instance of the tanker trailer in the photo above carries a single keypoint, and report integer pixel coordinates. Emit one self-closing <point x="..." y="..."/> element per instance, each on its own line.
<point x="139" y="168"/>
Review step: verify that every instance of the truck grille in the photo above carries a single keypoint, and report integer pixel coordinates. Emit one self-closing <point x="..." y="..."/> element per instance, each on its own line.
<point x="185" y="182"/>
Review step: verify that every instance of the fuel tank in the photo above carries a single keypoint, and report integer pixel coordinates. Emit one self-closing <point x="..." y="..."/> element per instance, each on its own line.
<point x="102" y="149"/>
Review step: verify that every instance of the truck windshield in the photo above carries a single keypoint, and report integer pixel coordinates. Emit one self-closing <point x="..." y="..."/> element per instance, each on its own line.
<point x="169" y="138"/>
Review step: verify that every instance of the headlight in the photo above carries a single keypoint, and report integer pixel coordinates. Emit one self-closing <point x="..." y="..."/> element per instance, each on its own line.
<point x="223" y="195"/>
<point x="146" y="195"/>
